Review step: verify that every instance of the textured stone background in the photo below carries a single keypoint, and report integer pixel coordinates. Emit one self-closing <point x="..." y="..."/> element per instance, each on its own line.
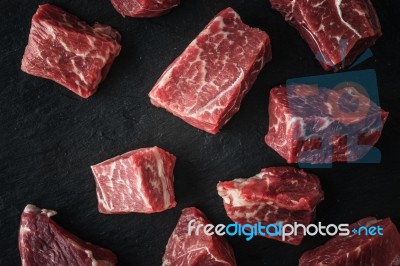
<point x="49" y="137"/>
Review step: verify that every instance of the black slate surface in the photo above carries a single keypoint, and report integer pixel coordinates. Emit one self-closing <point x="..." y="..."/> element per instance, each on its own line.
<point x="49" y="137"/>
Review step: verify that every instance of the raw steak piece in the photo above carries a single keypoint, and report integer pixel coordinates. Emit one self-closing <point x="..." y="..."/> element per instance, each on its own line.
<point x="276" y="194"/>
<point x="68" y="51"/>
<point x="206" y="84"/>
<point x="137" y="181"/>
<point x="192" y="250"/>
<point x="43" y="242"/>
<point x="360" y="250"/>
<point x="144" y="8"/>
<point x="318" y="125"/>
<point x="337" y="31"/>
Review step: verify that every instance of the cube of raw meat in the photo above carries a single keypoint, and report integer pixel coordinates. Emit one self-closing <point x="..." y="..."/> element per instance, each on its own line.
<point x="337" y="31"/>
<point x="318" y="125"/>
<point x="144" y="8"/>
<point x="201" y="249"/>
<point x="68" y="51"/>
<point x="276" y="194"/>
<point x="359" y="249"/>
<point x="43" y="242"/>
<point x="206" y="84"/>
<point x="137" y="181"/>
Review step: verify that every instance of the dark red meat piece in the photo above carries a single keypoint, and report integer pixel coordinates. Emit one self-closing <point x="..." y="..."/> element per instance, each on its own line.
<point x="137" y="181"/>
<point x="206" y="84"/>
<point x="144" y="8"/>
<point x="360" y="250"/>
<point x="276" y="194"/>
<point x="193" y="250"/>
<point x="337" y="31"/>
<point x="68" y="51"/>
<point x="312" y="125"/>
<point x="43" y="243"/>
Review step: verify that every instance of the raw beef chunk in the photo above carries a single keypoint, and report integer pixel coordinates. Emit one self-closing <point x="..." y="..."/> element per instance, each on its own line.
<point x="337" y="31"/>
<point x="68" y="51"/>
<point x="277" y="194"/>
<point x="137" y="181"/>
<point x="360" y="250"/>
<point x="144" y="8"/>
<point x="317" y="125"/>
<point x="192" y="250"/>
<point x="206" y="84"/>
<point x="43" y="242"/>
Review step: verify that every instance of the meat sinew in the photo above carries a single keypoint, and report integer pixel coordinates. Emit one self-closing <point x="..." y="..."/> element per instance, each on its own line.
<point x="337" y="31"/>
<point x="276" y="194"/>
<point x="137" y="181"/>
<point x="68" y="51"/>
<point x="190" y="250"/>
<point x="359" y="249"/>
<point x="317" y="125"/>
<point x="205" y="85"/>
<point x="43" y="242"/>
<point x="144" y="8"/>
